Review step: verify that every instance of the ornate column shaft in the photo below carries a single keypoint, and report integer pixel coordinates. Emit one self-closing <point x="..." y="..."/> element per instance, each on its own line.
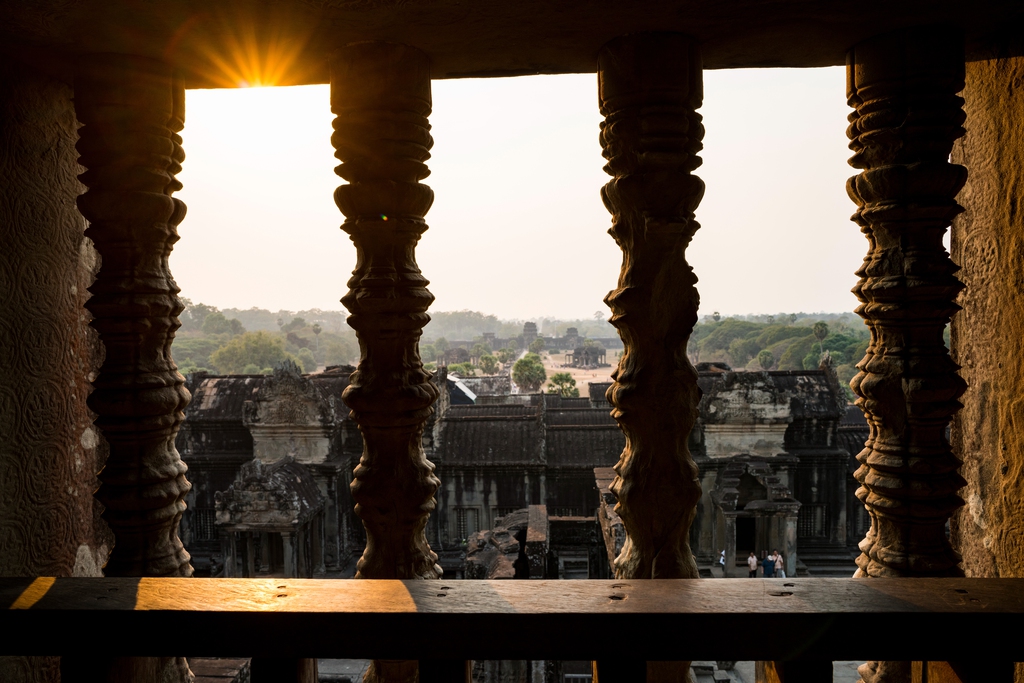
<point x="650" y="86"/>
<point x="132" y="109"/>
<point x="903" y="86"/>
<point x="380" y="94"/>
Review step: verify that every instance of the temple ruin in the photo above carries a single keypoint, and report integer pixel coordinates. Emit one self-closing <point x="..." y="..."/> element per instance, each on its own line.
<point x="774" y="471"/>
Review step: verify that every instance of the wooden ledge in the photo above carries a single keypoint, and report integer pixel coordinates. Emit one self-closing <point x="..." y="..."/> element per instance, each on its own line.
<point x="723" y="619"/>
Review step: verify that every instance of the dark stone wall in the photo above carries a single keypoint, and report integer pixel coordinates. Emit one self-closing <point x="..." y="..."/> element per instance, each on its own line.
<point x="49" y="453"/>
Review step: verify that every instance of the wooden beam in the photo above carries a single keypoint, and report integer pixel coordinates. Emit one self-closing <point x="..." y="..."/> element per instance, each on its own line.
<point x="912" y="619"/>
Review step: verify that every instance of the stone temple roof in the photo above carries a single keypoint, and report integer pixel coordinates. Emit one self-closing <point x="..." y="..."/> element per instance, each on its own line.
<point x="586" y="447"/>
<point x="221" y="398"/>
<point x="593" y="417"/>
<point x="495" y="441"/>
<point x="279" y="495"/>
<point x="800" y="394"/>
<point x="491" y="411"/>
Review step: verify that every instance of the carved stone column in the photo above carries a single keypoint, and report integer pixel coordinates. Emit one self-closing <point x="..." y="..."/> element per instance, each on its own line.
<point x="132" y="109"/>
<point x="380" y="94"/>
<point x="650" y="86"/>
<point x="904" y="87"/>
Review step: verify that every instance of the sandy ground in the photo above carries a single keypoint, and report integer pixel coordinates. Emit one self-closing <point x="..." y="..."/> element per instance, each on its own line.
<point x="553" y="363"/>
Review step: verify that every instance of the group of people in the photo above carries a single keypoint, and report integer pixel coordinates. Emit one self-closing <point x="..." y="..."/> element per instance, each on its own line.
<point x="772" y="565"/>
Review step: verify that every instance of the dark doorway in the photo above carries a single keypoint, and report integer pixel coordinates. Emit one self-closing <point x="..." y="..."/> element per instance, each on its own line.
<point x="746" y="537"/>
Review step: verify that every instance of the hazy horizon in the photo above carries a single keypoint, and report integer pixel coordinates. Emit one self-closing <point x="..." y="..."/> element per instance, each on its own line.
<point x="518" y="226"/>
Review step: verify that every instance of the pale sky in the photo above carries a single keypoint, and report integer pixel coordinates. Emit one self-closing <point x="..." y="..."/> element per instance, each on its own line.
<point x="518" y="228"/>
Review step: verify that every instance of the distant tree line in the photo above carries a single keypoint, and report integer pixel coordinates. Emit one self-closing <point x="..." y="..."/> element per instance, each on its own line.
<point x="219" y="341"/>
<point x="751" y="345"/>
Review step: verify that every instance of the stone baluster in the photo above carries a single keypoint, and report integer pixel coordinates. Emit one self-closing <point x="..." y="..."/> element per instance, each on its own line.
<point x="650" y="87"/>
<point x="903" y="87"/>
<point x="131" y="109"/>
<point x="380" y="94"/>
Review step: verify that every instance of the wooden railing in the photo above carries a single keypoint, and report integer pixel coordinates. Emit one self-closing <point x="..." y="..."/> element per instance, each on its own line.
<point x="795" y="620"/>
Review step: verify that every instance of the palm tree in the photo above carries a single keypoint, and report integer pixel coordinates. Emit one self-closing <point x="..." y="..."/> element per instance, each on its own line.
<point x="820" y="331"/>
<point x="317" y="330"/>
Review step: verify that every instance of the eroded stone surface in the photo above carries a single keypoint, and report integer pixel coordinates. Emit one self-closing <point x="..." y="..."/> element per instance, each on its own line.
<point x="988" y="334"/>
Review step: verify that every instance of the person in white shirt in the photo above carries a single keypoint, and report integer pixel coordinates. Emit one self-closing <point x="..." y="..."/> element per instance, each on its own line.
<point x="752" y="563"/>
<point x="780" y="572"/>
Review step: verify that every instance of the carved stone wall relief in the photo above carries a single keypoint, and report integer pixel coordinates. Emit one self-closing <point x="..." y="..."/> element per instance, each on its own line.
<point x="48" y="446"/>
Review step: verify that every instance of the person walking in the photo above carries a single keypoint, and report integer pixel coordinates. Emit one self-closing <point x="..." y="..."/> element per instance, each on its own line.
<point x="752" y="564"/>
<point x="768" y="566"/>
<point x="780" y="566"/>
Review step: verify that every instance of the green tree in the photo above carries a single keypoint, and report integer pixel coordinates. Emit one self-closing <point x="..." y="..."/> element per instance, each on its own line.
<point x="563" y="384"/>
<point x="256" y="348"/>
<point x="428" y="353"/>
<point x="719" y="340"/>
<point x="514" y="344"/>
<point x="216" y="323"/>
<point x="846" y="373"/>
<point x="339" y="351"/>
<point x="505" y="356"/>
<point x="307" y="360"/>
<point x="297" y="323"/>
<point x="251" y="369"/>
<point x="462" y="369"/>
<point x="766" y="359"/>
<point x="795" y="352"/>
<point x="820" y="331"/>
<point x="529" y="373"/>
<point x="537" y="345"/>
<point x="193" y="353"/>
<point x="194" y="315"/>
<point x="716" y="316"/>
<point x="477" y="351"/>
<point x="441" y="345"/>
<point x="489" y="364"/>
